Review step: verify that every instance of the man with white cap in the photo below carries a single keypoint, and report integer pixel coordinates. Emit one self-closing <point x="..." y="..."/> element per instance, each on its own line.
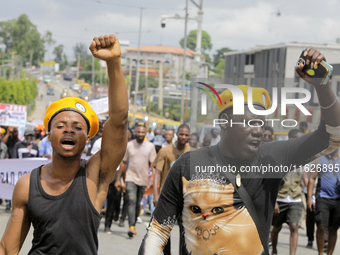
<point x="63" y="199"/>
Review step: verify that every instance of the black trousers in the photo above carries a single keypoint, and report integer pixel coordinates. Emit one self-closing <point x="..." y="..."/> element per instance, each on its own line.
<point x="113" y="204"/>
<point x="310" y="223"/>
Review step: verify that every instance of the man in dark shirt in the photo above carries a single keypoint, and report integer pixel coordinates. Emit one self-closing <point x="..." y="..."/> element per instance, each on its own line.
<point x="26" y="148"/>
<point x="10" y="139"/>
<point x="214" y="217"/>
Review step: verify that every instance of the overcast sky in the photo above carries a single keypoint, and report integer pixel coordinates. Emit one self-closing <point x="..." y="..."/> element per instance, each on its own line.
<point x="235" y="24"/>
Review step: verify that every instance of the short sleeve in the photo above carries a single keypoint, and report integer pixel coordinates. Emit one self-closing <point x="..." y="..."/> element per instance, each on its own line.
<point x="126" y="156"/>
<point x="159" y="162"/>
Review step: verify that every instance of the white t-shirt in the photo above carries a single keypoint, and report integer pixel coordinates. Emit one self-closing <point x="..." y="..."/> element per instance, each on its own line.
<point x="215" y="141"/>
<point x="96" y="146"/>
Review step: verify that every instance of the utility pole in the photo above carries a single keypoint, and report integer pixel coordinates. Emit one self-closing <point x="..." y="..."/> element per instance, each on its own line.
<point x="160" y="87"/>
<point x="78" y="62"/>
<point x="130" y="74"/>
<point x="184" y="57"/>
<point x="146" y="81"/>
<point x="137" y="71"/>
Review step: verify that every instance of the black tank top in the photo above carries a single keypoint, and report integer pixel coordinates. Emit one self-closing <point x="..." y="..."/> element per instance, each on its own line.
<point x="63" y="224"/>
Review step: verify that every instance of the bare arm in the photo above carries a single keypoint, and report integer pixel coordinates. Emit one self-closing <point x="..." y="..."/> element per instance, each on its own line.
<point x="311" y="183"/>
<point x="121" y="172"/>
<point x="114" y="140"/>
<point x="18" y="224"/>
<point x="156" y="180"/>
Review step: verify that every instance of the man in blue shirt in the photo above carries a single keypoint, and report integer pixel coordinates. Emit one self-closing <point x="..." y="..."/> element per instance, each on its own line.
<point x="327" y="209"/>
<point x="45" y="150"/>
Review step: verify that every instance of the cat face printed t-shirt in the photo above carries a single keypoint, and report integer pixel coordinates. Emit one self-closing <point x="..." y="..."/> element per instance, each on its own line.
<point x="214" y="219"/>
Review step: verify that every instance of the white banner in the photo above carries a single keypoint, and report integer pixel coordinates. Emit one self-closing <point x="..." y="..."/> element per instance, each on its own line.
<point x="12" y="169"/>
<point x="13" y="115"/>
<point x="100" y="105"/>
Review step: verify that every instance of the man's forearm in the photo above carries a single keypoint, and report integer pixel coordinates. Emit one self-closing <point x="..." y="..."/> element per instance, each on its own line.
<point x="311" y="183"/>
<point x="122" y="171"/>
<point x="330" y="116"/>
<point x="118" y="99"/>
<point x="156" y="180"/>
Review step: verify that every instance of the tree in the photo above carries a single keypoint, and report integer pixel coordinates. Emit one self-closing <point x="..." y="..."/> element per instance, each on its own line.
<point x="219" y="69"/>
<point x="191" y="41"/>
<point x="58" y="52"/>
<point x="21" y="36"/>
<point x="152" y="82"/>
<point x="220" y="55"/>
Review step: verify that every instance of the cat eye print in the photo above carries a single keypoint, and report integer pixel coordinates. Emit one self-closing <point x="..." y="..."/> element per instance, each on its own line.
<point x="217" y="210"/>
<point x="195" y="209"/>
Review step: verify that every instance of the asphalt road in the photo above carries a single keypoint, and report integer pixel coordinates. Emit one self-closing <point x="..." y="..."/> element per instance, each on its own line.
<point x="118" y="243"/>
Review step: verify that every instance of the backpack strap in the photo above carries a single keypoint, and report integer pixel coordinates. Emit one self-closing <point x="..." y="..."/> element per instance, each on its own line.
<point x="246" y="199"/>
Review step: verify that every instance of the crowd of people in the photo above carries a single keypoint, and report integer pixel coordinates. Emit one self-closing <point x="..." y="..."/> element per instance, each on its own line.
<point x="131" y="171"/>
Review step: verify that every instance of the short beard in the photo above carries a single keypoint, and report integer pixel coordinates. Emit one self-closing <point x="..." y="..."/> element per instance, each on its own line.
<point x="71" y="158"/>
<point x="139" y="140"/>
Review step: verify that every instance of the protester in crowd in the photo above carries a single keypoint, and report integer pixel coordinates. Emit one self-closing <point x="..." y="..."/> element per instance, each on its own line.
<point x="211" y="203"/>
<point x="194" y="141"/>
<point x="150" y="135"/>
<point x="140" y="154"/>
<point x="45" y="150"/>
<point x="157" y="131"/>
<point x="38" y="134"/>
<point x="310" y="221"/>
<point x="26" y="148"/>
<point x="10" y="139"/>
<point x="215" y="136"/>
<point x="113" y="198"/>
<point x="123" y="187"/>
<point x="288" y="206"/>
<point x="3" y="146"/>
<point x="207" y="140"/>
<point x="95" y="138"/>
<point x="169" y="135"/>
<point x="158" y="142"/>
<point x="304" y="127"/>
<point x="327" y="206"/>
<point x="63" y="199"/>
<point x="268" y="134"/>
<point x="163" y="162"/>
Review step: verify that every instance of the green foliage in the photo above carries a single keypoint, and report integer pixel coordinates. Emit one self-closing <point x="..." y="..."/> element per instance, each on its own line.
<point x="58" y="52"/>
<point x="152" y="82"/>
<point x="21" y="36"/>
<point x="191" y="41"/>
<point x="21" y="91"/>
<point x="219" y="69"/>
<point x="220" y="54"/>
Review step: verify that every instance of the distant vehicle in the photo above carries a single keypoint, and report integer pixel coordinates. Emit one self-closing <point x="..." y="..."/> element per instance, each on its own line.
<point x="50" y="91"/>
<point x="48" y="79"/>
<point x="84" y="94"/>
<point x="72" y="85"/>
<point x="67" y="77"/>
<point x="202" y="130"/>
<point x="63" y="95"/>
<point x="76" y="87"/>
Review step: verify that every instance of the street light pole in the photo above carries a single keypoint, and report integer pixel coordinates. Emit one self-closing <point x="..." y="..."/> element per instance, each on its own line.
<point x="184" y="57"/>
<point x="137" y="71"/>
